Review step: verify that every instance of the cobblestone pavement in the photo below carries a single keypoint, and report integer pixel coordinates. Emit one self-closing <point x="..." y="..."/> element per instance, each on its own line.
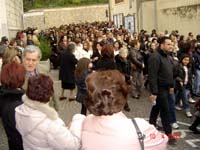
<point x="139" y="108"/>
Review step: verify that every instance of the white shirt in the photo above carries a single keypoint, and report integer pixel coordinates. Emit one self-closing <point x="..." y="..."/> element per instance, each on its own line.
<point x="186" y="74"/>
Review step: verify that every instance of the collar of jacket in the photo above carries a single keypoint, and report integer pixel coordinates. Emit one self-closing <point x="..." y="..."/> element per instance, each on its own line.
<point x="42" y="107"/>
<point x="6" y="91"/>
<point x="162" y="52"/>
<point x="197" y="52"/>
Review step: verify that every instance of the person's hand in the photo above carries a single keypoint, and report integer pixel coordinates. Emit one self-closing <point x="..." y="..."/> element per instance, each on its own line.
<point x="90" y="66"/>
<point x="143" y="65"/>
<point x="152" y="98"/>
<point x="131" y="78"/>
<point x="171" y="91"/>
<point x="193" y="76"/>
<point x="95" y="58"/>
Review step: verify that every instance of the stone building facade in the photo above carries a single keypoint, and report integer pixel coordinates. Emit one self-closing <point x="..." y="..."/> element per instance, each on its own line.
<point x="55" y="17"/>
<point x="11" y="17"/>
<point x="183" y="15"/>
<point x="123" y="12"/>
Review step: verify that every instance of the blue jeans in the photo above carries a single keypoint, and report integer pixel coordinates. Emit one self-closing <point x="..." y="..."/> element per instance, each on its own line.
<point x="197" y="82"/>
<point x="172" y="112"/>
<point x="183" y="95"/>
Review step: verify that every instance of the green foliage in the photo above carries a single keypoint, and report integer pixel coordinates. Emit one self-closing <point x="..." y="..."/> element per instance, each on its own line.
<point x="45" y="48"/>
<point x="76" y="1"/>
<point x="33" y="4"/>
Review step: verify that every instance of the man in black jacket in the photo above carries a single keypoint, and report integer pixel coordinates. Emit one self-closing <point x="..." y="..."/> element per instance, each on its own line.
<point x="160" y="71"/>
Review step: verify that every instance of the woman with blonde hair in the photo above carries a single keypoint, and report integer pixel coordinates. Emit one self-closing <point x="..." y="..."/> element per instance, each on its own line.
<point x="11" y="55"/>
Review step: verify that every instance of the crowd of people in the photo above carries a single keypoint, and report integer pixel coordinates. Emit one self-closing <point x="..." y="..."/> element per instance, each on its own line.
<point x="107" y="66"/>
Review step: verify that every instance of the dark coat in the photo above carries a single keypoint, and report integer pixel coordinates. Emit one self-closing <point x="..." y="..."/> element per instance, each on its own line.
<point x="106" y="64"/>
<point x="2" y="49"/>
<point x="196" y="57"/>
<point x="67" y="67"/>
<point x="146" y="54"/>
<point x="94" y="62"/>
<point x="160" y="71"/>
<point x="179" y="75"/>
<point x="124" y="66"/>
<point x="136" y="58"/>
<point x="9" y="100"/>
<point x="30" y="42"/>
<point x="81" y="87"/>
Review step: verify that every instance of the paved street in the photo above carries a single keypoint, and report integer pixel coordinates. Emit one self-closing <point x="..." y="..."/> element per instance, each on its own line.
<point x="139" y="108"/>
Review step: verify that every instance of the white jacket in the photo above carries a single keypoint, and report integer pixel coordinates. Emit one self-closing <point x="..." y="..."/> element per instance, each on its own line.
<point x="80" y="53"/>
<point x="42" y="129"/>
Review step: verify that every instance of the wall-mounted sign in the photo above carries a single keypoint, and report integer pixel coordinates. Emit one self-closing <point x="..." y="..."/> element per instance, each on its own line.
<point x="129" y="23"/>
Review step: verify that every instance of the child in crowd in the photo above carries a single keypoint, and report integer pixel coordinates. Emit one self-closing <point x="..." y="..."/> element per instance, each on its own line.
<point x="183" y="77"/>
<point x="81" y="72"/>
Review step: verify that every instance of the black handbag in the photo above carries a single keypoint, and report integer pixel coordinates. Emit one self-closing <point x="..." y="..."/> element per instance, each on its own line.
<point x="141" y="136"/>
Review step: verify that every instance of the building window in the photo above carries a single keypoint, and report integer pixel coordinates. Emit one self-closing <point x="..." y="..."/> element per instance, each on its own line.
<point x="118" y="20"/>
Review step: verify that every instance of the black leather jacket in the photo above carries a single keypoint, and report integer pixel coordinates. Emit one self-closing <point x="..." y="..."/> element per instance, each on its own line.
<point x="160" y="71"/>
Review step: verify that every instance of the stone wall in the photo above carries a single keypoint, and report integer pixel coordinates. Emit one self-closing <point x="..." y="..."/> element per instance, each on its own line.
<point x="11" y="17"/>
<point x="55" y="17"/>
<point x="14" y="16"/>
<point x="147" y="15"/>
<point x="182" y="15"/>
<point x="34" y="19"/>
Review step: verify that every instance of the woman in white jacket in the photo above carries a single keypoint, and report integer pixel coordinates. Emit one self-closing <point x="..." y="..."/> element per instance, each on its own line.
<point x="39" y="124"/>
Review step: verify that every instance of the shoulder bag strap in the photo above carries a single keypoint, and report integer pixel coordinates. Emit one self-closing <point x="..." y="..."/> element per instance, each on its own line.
<point x="140" y="135"/>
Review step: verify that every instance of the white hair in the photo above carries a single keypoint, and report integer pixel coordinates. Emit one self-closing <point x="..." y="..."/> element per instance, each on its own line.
<point x="32" y="49"/>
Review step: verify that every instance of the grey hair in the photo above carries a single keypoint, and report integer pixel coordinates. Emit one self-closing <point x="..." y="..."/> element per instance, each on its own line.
<point x="123" y="51"/>
<point x="71" y="47"/>
<point x="32" y="49"/>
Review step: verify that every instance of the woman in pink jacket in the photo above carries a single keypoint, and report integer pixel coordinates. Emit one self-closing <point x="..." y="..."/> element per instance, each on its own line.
<point x="107" y="128"/>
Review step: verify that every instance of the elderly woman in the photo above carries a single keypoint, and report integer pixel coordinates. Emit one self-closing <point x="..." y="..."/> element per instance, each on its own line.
<point x="66" y="72"/>
<point x="124" y="66"/>
<point x="39" y="124"/>
<point x="12" y="79"/>
<point x="107" y="128"/>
